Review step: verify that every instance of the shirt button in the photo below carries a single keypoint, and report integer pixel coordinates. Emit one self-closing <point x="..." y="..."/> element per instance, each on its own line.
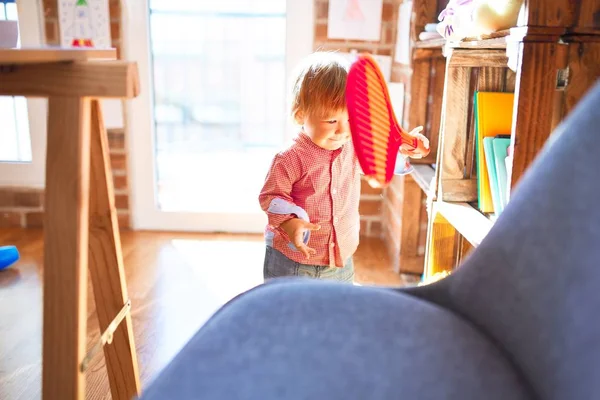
<point x="334" y="191"/>
<point x="335" y="220"/>
<point x="332" y="244"/>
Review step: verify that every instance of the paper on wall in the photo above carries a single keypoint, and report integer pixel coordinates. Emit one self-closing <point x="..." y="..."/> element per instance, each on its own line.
<point x="354" y="19"/>
<point x="403" y="33"/>
<point x="84" y="23"/>
<point x="396" y="91"/>
<point x="383" y="62"/>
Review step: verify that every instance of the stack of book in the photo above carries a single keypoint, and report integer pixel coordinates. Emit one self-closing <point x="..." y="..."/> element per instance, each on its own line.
<point x="493" y="122"/>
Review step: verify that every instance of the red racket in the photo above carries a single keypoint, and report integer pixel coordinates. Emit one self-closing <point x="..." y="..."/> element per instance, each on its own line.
<point x="376" y="134"/>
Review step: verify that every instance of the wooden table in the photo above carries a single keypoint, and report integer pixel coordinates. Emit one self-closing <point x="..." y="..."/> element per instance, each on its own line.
<point x="80" y="219"/>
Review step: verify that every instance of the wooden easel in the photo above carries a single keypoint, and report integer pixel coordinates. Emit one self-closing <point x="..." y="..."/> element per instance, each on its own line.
<point x="80" y="221"/>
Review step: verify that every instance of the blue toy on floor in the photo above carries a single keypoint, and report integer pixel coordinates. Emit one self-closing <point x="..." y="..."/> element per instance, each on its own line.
<point x="8" y="256"/>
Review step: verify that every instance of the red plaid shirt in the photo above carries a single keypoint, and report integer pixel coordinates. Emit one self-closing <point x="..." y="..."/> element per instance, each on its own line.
<point x="324" y="183"/>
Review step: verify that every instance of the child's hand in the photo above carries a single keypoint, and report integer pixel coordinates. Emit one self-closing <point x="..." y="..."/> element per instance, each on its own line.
<point x="295" y="229"/>
<point x="421" y="150"/>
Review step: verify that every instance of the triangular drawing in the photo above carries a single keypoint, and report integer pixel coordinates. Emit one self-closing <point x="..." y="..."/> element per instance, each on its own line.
<point x="353" y="11"/>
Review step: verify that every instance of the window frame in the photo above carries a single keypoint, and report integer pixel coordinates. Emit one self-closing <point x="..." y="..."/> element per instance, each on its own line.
<point x="139" y="123"/>
<point x="30" y="174"/>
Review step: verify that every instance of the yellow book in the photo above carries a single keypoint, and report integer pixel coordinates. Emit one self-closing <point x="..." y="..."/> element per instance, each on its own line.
<point x="493" y="116"/>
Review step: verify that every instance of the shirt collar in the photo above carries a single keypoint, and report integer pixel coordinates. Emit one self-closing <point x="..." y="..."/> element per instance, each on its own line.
<point x="304" y="140"/>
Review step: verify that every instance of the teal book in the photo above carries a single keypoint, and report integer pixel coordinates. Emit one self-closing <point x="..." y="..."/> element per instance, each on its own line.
<point x="490" y="163"/>
<point x="500" y="146"/>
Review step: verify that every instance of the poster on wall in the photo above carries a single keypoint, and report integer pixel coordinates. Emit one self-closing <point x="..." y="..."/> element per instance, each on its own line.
<point x="354" y="19"/>
<point x="84" y="23"/>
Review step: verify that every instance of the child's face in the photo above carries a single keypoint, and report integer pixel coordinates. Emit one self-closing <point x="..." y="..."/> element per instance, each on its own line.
<point x="329" y="132"/>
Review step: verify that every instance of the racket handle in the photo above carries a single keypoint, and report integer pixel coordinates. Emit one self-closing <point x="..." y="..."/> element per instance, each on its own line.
<point x="412" y="145"/>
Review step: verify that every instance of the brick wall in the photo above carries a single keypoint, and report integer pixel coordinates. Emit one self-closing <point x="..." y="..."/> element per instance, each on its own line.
<point x="23" y="207"/>
<point x="371" y="204"/>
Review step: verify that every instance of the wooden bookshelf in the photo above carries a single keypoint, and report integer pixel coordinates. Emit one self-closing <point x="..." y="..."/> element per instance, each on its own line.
<point x="555" y="39"/>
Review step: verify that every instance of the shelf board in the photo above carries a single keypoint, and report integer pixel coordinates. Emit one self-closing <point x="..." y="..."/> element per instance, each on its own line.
<point x="423" y="175"/>
<point x="496" y="40"/>
<point x="53" y="54"/>
<point x="468" y="221"/>
<point x="430" y="44"/>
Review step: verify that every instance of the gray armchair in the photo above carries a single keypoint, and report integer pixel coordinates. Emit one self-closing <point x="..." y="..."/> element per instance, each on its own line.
<point x="519" y="319"/>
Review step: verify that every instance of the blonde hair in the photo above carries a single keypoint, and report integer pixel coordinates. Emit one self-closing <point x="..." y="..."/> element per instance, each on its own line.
<point x="319" y="86"/>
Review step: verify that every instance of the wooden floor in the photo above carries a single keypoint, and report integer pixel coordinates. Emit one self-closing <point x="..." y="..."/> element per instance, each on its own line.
<point x="175" y="282"/>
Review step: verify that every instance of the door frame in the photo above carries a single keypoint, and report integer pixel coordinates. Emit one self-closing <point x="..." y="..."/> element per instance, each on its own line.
<point x="140" y="127"/>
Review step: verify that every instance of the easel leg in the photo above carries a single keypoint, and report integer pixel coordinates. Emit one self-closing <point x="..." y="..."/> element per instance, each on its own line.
<point x="66" y="247"/>
<point x="106" y="266"/>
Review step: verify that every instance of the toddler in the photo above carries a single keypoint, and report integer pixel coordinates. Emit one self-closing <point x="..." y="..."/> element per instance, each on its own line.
<point x="311" y="193"/>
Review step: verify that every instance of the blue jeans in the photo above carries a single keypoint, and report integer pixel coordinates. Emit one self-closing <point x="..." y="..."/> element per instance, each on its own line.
<point x="277" y="265"/>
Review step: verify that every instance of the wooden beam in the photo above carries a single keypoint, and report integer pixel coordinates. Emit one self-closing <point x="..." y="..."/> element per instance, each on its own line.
<point x="423" y="175"/>
<point x="461" y="190"/>
<point x="587" y="14"/>
<point x="510" y="82"/>
<point x="66" y="247"/>
<point x="424" y="12"/>
<point x="435" y="111"/>
<point x="464" y="249"/>
<point x="430" y="44"/>
<point x="419" y="90"/>
<point x="412" y="264"/>
<point x="469" y="222"/>
<point x="584" y="70"/>
<point x="106" y="267"/>
<point x="116" y="79"/>
<point x="491" y="79"/>
<point x="494" y="43"/>
<point x="536" y="34"/>
<point x="440" y="254"/>
<point x="422" y="54"/>
<point x="534" y="103"/>
<point x="478" y="58"/>
<point x="53" y="55"/>
<point x="549" y="13"/>
<point x="453" y="139"/>
<point x="411" y="221"/>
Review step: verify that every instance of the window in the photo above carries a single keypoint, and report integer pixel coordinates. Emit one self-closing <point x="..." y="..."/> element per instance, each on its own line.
<point x="14" y="136"/>
<point x="219" y="99"/>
